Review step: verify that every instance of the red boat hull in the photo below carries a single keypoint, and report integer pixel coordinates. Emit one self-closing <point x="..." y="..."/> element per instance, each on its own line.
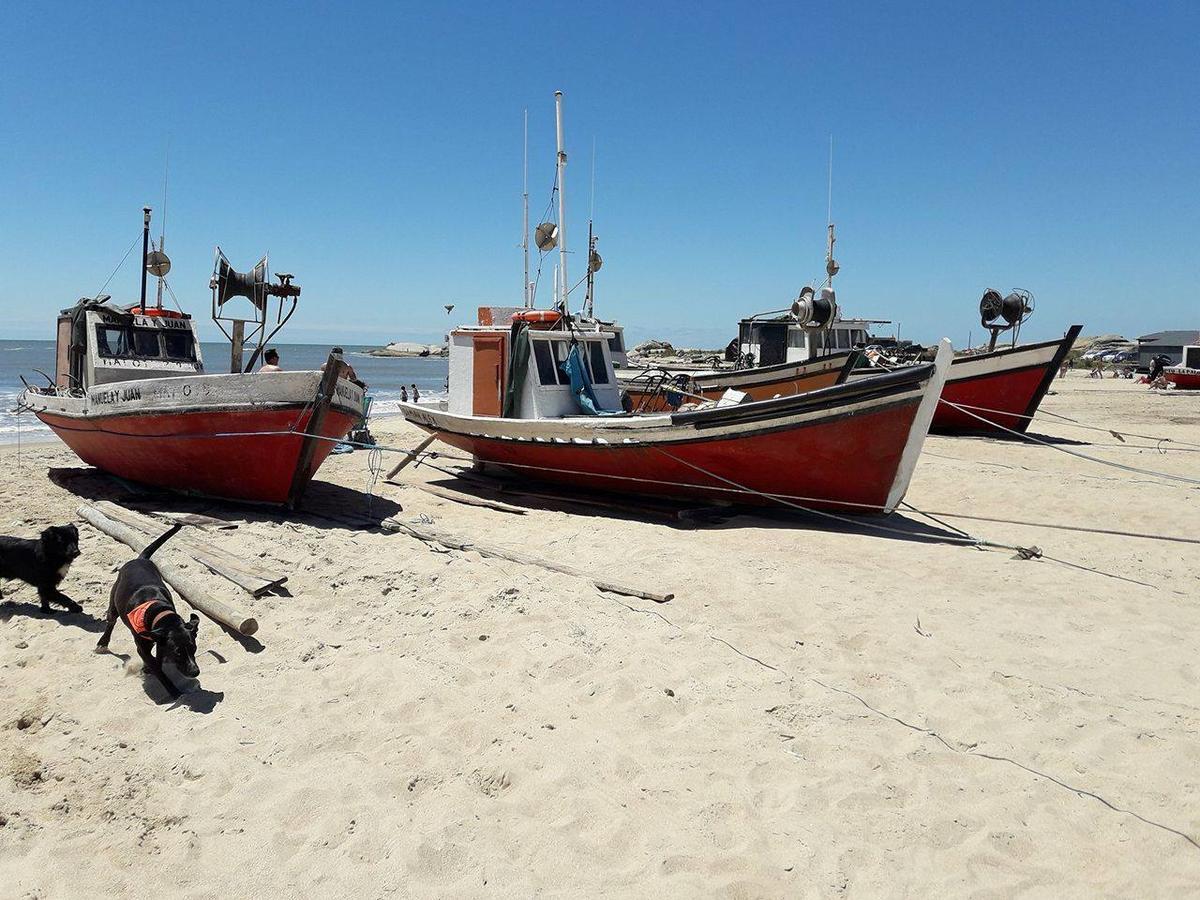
<point x="1184" y="379"/>
<point x="1000" y="390"/>
<point x="180" y="450"/>
<point x="853" y="459"/>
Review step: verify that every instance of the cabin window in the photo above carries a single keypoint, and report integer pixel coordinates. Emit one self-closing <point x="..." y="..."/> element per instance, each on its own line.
<point x="179" y="345"/>
<point x="599" y="369"/>
<point x="616" y="343"/>
<point x="796" y="338"/>
<point x="145" y="342"/>
<point x="561" y="349"/>
<point x="113" y="341"/>
<point x="545" y="362"/>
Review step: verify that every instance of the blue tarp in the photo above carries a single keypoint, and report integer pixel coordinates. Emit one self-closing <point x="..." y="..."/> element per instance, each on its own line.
<point x="581" y="383"/>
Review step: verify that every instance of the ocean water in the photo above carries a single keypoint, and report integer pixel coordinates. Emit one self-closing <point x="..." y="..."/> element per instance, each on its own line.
<point x="384" y="376"/>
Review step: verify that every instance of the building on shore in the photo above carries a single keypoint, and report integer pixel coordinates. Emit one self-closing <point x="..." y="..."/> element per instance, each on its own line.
<point x="1167" y="343"/>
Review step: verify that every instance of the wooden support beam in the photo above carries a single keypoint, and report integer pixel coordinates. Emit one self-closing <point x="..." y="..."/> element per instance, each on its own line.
<point x="303" y="473"/>
<point x="411" y="455"/>
<point x="193" y="593"/>
<point x="254" y="580"/>
<point x="430" y="536"/>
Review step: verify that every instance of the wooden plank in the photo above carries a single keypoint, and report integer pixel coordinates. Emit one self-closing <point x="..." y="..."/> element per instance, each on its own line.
<point x="196" y="596"/>
<point x="448" y="494"/>
<point x="430" y="536"/>
<point x="253" y="579"/>
<point x="412" y="454"/>
<point x="197" y="520"/>
<point x="302" y="475"/>
<point x="631" y="509"/>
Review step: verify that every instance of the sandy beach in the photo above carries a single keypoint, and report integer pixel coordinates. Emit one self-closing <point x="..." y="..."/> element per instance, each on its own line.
<point x="823" y="709"/>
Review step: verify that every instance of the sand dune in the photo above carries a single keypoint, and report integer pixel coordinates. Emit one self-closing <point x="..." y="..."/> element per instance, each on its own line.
<point x="822" y="710"/>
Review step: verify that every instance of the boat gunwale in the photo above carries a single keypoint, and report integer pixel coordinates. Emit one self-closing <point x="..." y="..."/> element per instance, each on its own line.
<point x="60" y="404"/>
<point x="836" y="402"/>
<point x="740" y="373"/>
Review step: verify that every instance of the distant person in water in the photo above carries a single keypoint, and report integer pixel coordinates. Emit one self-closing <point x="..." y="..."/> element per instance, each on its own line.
<point x="403" y="394"/>
<point x="416" y="394"/>
<point x="271" y="362"/>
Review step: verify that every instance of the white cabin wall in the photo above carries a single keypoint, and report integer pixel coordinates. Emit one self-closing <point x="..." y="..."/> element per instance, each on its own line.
<point x="461" y="374"/>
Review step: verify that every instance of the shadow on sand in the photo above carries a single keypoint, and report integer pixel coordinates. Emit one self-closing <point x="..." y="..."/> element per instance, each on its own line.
<point x="81" y="620"/>
<point x="690" y="514"/>
<point x="324" y="504"/>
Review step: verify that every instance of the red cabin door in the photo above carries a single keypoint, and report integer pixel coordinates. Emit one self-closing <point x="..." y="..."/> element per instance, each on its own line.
<point x="488" y="376"/>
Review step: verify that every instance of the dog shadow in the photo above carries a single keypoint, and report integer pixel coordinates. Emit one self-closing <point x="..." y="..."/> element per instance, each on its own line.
<point x="201" y="700"/>
<point x="82" y="620"/>
<point x="193" y="697"/>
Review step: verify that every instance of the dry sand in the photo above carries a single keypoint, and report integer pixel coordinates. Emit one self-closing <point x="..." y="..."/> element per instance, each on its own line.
<point x="417" y="723"/>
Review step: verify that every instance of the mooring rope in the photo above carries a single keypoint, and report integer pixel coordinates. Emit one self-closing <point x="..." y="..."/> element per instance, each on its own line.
<point x="969" y="540"/>
<point x="1095" y="459"/>
<point x="1073" y="423"/>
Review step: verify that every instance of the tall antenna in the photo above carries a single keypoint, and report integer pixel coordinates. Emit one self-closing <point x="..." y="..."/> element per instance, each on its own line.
<point x="162" y="234"/>
<point x="590" y="296"/>
<point x="592" y="203"/>
<point x="831" y="266"/>
<point x="829" y="216"/>
<point x="562" y="205"/>
<point x="526" y="287"/>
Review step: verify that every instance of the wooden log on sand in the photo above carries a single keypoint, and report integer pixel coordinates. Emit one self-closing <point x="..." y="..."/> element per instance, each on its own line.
<point x="195" y="595"/>
<point x="430" y="536"/>
<point x="457" y="497"/>
<point x="253" y="579"/>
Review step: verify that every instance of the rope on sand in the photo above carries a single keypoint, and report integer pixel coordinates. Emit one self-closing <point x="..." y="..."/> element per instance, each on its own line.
<point x="1076" y="453"/>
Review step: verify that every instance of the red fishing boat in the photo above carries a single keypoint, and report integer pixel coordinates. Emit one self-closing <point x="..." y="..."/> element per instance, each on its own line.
<point x="661" y="390"/>
<point x="989" y="392"/>
<point x="540" y="398"/>
<point x="984" y="392"/>
<point x="851" y="447"/>
<point x="131" y="395"/>
<point x="1186" y="375"/>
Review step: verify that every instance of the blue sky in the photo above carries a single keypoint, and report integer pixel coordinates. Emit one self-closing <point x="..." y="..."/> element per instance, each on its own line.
<point x="375" y="151"/>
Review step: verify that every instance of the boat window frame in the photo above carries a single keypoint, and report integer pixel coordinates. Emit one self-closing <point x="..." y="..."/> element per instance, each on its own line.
<point x="187" y="337"/>
<point x="596" y="348"/>
<point x="141" y="332"/>
<point x="544" y="361"/>
<point x="556" y="350"/>
<point x="103" y="347"/>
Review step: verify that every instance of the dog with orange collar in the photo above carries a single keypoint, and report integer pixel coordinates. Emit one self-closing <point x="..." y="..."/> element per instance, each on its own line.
<point x="140" y="598"/>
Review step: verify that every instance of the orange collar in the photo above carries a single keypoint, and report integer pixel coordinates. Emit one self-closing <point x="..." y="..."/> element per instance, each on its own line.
<point x="141" y="623"/>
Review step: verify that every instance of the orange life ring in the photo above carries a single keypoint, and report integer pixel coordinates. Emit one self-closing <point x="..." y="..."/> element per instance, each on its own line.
<point x="537" y="316"/>
<point x="155" y="311"/>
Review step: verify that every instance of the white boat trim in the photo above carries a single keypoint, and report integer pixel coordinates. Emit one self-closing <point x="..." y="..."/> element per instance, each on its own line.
<point x="658" y="428"/>
<point x="195" y="393"/>
<point x="920" y="426"/>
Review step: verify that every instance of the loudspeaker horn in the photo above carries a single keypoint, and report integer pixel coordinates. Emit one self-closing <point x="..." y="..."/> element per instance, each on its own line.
<point x="230" y="283"/>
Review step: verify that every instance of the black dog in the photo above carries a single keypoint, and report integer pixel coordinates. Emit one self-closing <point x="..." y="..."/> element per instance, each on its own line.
<point x="42" y="563"/>
<point x="141" y="600"/>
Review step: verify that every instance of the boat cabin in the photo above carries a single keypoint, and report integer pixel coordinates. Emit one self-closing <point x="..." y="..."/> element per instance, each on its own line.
<point x="482" y="368"/>
<point x="782" y="340"/>
<point x="100" y="343"/>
